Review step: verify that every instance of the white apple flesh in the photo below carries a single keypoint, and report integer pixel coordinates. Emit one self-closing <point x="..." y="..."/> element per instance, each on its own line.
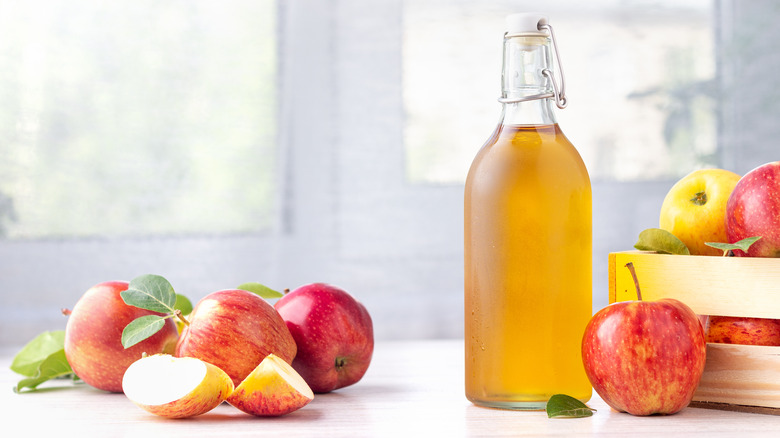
<point x="174" y="387"/>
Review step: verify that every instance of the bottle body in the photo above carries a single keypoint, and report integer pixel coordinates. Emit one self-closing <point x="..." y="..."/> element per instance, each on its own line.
<point x="528" y="277"/>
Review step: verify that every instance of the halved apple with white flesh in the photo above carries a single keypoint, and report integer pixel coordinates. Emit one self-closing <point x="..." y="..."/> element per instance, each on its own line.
<point x="176" y="387"/>
<point x="274" y="388"/>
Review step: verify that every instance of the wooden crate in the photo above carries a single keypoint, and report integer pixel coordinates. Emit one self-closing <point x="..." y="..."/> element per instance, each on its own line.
<point x="736" y="377"/>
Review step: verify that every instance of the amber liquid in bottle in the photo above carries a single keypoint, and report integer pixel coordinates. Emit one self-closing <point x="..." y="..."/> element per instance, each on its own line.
<point x="527" y="269"/>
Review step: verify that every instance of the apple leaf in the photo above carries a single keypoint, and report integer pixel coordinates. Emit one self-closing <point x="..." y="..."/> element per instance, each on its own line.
<point x="562" y="405"/>
<point x="262" y="290"/>
<point x="743" y="245"/>
<point x="660" y="241"/>
<point x="30" y="357"/>
<point x="183" y="304"/>
<point x="150" y="292"/>
<point x="141" y="328"/>
<point x="55" y="365"/>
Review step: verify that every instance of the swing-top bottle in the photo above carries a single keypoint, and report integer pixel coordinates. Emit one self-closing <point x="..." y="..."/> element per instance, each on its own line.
<point x="527" y="238"/>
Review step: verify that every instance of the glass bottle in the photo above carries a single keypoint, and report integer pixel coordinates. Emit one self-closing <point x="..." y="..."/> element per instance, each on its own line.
<point x="528" y="239"/>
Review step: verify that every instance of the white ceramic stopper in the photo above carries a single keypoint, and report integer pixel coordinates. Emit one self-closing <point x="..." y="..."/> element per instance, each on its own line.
<point x="526" y="23"/>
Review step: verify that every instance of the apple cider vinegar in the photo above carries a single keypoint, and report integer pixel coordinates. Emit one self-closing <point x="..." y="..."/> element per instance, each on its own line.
<point x="527" y="243"/>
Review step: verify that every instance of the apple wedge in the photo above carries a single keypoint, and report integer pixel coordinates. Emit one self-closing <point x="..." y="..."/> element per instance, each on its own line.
<point x="176" y="387"/>
<point x="272" y="389"/>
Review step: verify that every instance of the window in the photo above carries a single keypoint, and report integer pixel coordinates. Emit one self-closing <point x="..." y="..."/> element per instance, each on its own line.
<point x="136" y="137"/>
<point x="136" y="118"/>
<point x="640" y="78"/>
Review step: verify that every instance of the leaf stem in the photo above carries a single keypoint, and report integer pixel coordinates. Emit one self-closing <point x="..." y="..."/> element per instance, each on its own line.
<point x="630" y="267"/>
<point x="181" y="317"/>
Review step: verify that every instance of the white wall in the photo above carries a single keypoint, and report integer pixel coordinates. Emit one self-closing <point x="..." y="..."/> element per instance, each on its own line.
<point x="347" y="214"/>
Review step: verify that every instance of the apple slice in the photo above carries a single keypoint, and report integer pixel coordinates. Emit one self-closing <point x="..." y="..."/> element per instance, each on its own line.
<point x="272" y="389"/>
<point x="176" y="387"/>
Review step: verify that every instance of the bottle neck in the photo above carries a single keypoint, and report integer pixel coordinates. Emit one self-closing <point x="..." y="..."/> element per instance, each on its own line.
<point x="525" y="57"/>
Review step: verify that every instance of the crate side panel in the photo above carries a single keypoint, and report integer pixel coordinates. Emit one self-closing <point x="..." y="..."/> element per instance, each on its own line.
<point x="741" y="375"/>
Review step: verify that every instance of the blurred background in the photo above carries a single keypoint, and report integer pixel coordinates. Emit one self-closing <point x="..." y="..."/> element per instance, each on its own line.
<point x="288" y="142"/>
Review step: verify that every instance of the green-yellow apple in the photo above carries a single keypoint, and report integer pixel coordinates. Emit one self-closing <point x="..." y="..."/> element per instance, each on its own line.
<point x="176" y="387"/>
<point x="272" y="389"/>
<point x="93" y="336"/>
<point x="694" y="209"/>
<point x="753" y="209"/>
<point x="741" y="330"/>
<point x="334" y="334"/>
<point x="644" y="357"/>
<point x="235" y="330"/>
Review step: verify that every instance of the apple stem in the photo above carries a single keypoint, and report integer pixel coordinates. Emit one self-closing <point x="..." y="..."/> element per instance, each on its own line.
<point x="699" y="198"/>
<point x="630" y="267"/>
<point x="179" y="315"/>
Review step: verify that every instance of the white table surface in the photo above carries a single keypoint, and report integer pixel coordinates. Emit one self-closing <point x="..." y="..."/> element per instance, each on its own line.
<point x="413" y="388"/>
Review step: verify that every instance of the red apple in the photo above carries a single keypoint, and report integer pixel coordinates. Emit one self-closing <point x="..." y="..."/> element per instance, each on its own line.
<point x="93" y="336"/>
<point x="753" y="209"/>
<point x="746" y="331"/>
<point x="235" y="330"/>
<point x="645" y="357"/>
<point x="334" y="334"/>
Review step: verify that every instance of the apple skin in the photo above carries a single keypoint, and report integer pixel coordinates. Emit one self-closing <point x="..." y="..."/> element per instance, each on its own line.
<point x="745" y="331"/>
<point x="753" y="209"/>
<point x="271" y="390"/>
<point x="334" y="334"/>
<point x="235" y="330"/>
<point x="93" y="336"/>
<point x="693" y="222"/>
<point x="645" y="357"/>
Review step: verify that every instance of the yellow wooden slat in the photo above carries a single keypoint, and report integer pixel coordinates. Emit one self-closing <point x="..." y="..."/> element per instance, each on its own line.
<point x="733" y="286"/>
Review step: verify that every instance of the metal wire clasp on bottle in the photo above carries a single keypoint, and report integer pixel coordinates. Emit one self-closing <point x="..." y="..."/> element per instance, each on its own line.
<point x="559" y="92"/>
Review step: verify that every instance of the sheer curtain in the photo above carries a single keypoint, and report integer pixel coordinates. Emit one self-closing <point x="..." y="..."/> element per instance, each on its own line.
<point x="311" y="158"/>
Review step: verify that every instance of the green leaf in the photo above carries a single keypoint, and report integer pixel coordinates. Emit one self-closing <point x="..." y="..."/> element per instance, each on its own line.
<point x="140" y="329"/>
<point x="55" y="365"/>
<point x="661" y="241"/>
<point x="562" y="405"/>
<point x="262" y="290"/>
<point x="150" y="292"/>
<point x="27" y="361"/>
<point x="743" y="244"/>
<point x="183" y="304"/>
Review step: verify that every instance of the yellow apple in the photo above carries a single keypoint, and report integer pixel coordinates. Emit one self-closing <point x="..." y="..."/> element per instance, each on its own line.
<point x="274" y="388"/>
<point x="694" y="209"/>
<point x="176" y="387"/>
